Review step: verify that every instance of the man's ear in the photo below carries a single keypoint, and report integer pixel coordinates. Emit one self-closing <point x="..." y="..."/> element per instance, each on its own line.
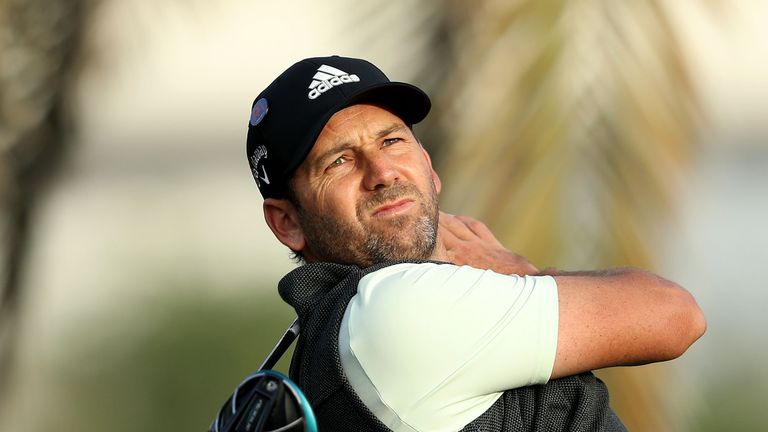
<point x="282" y="218"/>
<point x="435" y="177"/>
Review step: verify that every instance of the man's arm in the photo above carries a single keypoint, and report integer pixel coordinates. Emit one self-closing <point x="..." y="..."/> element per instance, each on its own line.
<point x="607" y="318"/>
<point x="622" y="317"/>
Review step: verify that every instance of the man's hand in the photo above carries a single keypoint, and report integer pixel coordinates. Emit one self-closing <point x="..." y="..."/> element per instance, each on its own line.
<point x="469" y="242"/>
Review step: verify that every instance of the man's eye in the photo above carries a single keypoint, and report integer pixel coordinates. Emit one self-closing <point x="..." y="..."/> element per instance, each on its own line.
<point x="390" y="141"/>
<point x="340" y="160"/>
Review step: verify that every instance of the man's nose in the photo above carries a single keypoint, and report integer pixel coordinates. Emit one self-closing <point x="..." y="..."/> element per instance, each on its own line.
<point x="380" y="172"/>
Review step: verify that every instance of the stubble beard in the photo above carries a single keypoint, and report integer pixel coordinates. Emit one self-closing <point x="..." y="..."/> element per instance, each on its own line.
<point x="404" y="237"/>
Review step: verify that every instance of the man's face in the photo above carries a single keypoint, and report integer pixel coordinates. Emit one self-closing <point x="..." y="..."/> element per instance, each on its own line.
<point x="367" y="192"/>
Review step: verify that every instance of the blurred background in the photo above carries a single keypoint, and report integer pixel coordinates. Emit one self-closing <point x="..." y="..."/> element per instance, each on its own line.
<point x="138" y="277"/>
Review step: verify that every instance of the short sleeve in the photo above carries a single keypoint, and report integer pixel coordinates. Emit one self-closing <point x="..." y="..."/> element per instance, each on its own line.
<point x="426" y="343"/>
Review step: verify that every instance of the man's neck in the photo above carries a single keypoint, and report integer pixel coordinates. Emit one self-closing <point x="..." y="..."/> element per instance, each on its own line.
<point x="440" y="253"/>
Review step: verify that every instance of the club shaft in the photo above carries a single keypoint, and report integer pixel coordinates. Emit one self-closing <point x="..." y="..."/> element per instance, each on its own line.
<point x="282" y="345"/>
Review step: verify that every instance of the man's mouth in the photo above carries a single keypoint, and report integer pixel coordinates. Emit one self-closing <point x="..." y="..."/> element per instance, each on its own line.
<point x="393" y="208"/>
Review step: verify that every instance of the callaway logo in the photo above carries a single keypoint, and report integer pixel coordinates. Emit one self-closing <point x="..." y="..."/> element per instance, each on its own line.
<point x="258" y="154"/>
<point x="328" y="77"/>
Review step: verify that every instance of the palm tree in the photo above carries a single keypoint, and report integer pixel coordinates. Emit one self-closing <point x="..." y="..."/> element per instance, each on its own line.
<point x="564" y="126"/>
<point x="39" y="50"/>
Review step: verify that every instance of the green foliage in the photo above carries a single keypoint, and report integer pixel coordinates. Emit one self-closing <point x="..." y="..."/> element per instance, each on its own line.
<point x="734" y="401"/>
<point x="170" y="372"/>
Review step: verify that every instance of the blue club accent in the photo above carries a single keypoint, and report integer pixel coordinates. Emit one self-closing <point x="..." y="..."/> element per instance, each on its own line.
<point x="306" y="408"/>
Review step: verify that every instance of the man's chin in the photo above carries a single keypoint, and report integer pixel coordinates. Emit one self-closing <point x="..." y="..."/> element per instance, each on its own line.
<point x="397" y="245"/>
<point x="399" y="231"/>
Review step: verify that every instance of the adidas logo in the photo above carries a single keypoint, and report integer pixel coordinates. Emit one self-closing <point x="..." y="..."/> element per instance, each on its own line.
<point x="328" y="77"/>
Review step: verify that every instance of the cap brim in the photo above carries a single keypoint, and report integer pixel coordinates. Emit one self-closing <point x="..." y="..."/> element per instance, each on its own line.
<point x="404" y="100"/>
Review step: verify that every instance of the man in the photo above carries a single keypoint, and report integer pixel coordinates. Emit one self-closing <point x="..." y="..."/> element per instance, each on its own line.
<point x="416" y="320"/>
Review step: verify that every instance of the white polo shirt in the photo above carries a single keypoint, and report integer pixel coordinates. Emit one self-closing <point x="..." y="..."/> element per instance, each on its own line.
<point x="433" y="346"/>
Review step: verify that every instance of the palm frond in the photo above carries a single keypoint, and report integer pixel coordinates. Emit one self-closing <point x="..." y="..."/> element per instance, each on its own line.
<point x="566" y="127"/>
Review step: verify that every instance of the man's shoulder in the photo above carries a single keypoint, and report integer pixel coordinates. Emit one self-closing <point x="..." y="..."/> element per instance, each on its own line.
<point x="443" y="292"/>
<point x="428" y="280"/>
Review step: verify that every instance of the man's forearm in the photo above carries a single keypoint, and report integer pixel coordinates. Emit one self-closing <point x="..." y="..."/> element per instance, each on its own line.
<point x="622" y="317"/>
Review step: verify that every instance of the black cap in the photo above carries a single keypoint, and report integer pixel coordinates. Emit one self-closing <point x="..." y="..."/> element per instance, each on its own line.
<point x="288" y="116"/>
